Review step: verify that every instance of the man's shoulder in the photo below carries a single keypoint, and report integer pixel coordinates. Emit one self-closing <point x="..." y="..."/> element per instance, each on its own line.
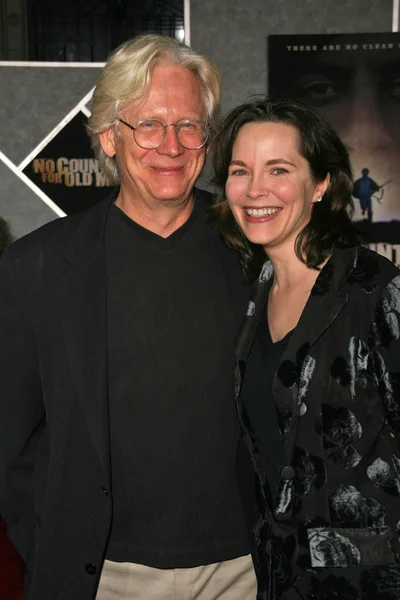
<point x="55" y="235"/>
<point x="53" y="232"/>
<point x="228" y="257"/>
<point x="203" y="196"/>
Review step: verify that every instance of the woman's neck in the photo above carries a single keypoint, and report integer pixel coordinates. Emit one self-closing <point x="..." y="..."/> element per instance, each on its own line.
<point x="291" y="288"/>
<point x="290" y="273"/>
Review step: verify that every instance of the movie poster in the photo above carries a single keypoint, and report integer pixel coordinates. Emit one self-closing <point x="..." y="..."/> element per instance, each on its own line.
<point x="67" y="171"/>
<point x="353" y="81"/>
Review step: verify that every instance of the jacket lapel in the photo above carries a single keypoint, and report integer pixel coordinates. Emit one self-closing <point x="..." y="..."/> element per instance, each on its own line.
<point x="326" y="299"/>
<point x="254" y="311"/>
<point x="82" y="300"/>
<point x="299" y="362"/>
<point x="323" y="306"/>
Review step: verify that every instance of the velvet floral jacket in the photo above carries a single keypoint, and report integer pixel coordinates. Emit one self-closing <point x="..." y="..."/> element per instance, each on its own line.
<point x="334" y="531"/>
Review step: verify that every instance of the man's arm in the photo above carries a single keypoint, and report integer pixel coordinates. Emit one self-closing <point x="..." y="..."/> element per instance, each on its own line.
<point x="21" y="409"/>
<point x="374" y="187"/>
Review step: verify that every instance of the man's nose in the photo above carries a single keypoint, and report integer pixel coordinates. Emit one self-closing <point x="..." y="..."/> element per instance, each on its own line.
<point x="171" y="144"/>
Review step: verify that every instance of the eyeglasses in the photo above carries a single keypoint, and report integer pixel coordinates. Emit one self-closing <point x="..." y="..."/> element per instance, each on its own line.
<point x="150" y="134"/>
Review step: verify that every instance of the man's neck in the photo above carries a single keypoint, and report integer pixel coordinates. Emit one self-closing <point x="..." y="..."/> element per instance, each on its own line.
<point x="162" y="219"/>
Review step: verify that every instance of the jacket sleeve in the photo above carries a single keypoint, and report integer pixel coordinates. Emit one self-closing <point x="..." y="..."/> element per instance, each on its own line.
<point x="385" y="340"/>
<point x="21" y="409"/>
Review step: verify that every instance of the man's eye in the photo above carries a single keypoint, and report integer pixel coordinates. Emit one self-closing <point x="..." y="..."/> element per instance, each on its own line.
<point x="391" y="86"/>
<point x="150" y="128"/>
<point x="320" y="92"/>
<point x="395" y="88"/>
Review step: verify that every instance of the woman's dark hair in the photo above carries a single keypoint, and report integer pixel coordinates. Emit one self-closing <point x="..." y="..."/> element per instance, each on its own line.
<point x="330" y="223"/>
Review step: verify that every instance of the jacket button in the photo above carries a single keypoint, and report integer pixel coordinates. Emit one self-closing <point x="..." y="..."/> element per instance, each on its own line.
<point x="105" y="491"/>
<point x="90" y="569"/>
<point x="288" y="473"/>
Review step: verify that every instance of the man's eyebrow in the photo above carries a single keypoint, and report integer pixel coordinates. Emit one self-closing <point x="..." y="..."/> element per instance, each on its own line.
<point x="326" y="70"/>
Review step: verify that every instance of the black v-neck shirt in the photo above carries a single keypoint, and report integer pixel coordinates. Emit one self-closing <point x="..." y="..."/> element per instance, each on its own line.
<point x="259" y="404"/>
<point x="174" y="308"/>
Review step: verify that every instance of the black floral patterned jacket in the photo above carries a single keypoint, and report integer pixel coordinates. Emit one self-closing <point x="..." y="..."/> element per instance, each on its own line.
<point x="334" y="532"/>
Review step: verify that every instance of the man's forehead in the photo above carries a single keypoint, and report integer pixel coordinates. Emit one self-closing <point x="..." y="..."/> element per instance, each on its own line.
<point x="172" y="87"/>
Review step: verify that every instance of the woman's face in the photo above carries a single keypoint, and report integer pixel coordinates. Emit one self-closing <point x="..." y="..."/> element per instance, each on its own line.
<point x="269" y="188"/>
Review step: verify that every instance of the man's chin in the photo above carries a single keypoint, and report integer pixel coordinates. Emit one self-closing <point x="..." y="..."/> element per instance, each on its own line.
<point x="172" y="194"/>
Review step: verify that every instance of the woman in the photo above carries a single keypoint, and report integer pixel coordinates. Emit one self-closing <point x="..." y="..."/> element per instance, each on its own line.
<point x="319" y="357"/>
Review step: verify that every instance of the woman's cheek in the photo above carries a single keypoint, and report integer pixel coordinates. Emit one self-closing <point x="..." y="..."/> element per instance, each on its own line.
<point x="234" y="189"/>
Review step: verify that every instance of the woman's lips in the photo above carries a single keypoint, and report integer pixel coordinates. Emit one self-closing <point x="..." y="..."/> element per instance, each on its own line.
<point x="259" y="215"/>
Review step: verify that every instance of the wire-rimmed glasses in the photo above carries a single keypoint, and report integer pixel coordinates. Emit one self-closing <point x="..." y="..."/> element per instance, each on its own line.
<point x="149" y="134"/>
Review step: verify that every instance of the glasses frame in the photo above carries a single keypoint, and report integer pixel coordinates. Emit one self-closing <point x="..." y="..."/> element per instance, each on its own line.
<point x="177" y="129"/>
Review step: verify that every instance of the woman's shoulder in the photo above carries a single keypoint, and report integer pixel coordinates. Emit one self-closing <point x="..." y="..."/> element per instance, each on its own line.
<point x="369" y="272"/>
<point x="384" y="269"/>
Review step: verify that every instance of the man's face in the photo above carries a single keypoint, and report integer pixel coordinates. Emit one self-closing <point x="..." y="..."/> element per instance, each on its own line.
<point x="362" y="104"/>
<point x="359" y="96"/>
<point x="167" y="174"/>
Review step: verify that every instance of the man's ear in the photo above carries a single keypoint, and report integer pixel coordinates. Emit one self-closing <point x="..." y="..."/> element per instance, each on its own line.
<point x="207" y="148"/>
<point x="107" y="141"/>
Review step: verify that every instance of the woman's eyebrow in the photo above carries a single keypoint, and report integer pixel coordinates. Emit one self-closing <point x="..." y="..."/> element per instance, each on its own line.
<point x="275" y="161"/>
<point x="237" y="162"/>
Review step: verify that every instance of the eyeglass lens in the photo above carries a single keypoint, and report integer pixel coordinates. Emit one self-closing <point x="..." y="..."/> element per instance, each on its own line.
<point x="191" y="134"/>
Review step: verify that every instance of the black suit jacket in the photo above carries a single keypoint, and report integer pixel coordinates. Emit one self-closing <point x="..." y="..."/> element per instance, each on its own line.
<point x="334" y="530"/>
<point x="54" y="423"/>
<point x="54" y="430"/>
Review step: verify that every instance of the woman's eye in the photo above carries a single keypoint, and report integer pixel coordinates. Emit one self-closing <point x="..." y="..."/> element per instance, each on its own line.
<point x="238" y="172"/>
<point x="279" y="171"/>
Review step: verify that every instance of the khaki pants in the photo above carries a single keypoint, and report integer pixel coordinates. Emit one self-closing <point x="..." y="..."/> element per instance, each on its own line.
<point x="228" y="580"/>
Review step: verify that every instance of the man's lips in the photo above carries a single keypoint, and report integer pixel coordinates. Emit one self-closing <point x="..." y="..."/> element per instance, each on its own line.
<point x="167" y="170"/>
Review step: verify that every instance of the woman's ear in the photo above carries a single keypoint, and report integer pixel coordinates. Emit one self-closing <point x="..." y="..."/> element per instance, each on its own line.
<point x="321" y="188"/>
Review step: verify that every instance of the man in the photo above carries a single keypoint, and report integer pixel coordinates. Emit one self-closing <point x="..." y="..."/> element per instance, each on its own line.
<point x="5" y="235"/>
<point x="363" y="189"/>
<point x="355" y="91"/>
<point x="118" y="432"/>
<point x="11" y="568"/>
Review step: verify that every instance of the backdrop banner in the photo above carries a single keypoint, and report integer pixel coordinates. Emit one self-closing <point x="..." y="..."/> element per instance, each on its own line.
<point x="67" y="171"/>
<point x="353" y="81"/>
